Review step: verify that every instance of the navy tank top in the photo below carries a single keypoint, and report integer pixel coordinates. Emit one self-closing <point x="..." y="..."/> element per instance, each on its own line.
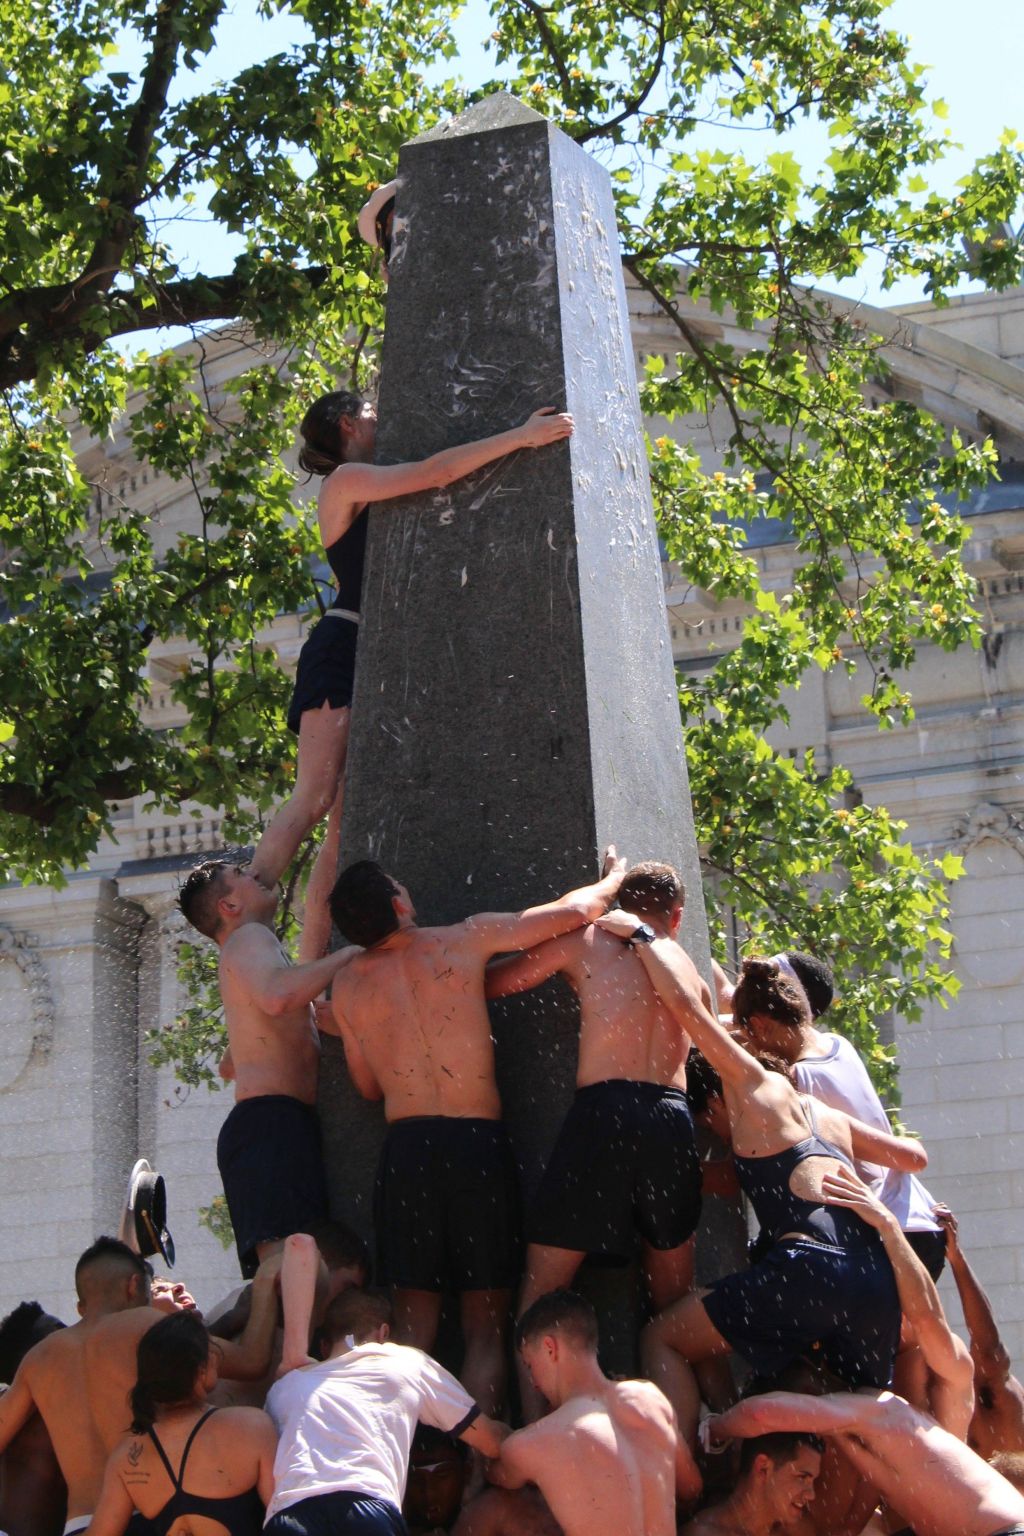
<point x="346" y="557"/>
<point x="240" y="1515"/>
<point x="765" y="1182"/>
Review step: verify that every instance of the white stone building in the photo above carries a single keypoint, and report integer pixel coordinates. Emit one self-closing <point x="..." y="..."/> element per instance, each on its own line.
<point x="85" y="971"/>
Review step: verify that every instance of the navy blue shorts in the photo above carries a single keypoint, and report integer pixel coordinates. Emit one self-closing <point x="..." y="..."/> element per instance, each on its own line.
<point x="930" y="1248"/>
<point x="338" y="1514"/>
<point x="446" y="1206"/>
<point x="812" y="1299"/>
<point x="271" y="1166"/>
<point x="625" y="1161"/>
<point x="326" y="668"/>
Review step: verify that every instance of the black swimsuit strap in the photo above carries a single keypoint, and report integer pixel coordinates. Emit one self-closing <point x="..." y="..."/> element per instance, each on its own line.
<point x="197" y="1426"/>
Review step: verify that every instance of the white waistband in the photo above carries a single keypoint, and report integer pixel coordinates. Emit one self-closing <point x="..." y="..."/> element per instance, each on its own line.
<point x="76" y="1524"/>
<point x="343" y="613"/>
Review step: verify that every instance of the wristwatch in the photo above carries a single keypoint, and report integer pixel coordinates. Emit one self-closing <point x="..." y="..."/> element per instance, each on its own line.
<point x="644" y="934"/>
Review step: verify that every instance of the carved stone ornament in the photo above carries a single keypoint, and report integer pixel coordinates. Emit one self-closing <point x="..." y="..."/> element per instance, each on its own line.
<point x="26" y="1004"/>
<point x="987" y="821"/>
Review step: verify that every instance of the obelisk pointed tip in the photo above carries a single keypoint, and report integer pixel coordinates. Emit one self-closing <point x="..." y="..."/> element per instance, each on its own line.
<point x="500" y="110"/>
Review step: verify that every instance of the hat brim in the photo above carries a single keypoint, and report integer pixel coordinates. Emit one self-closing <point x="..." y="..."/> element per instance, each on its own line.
<point x="144" y="1223"/>
<point x="366" y="222"/>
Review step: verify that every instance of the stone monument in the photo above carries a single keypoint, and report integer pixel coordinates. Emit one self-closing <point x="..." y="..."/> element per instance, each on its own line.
<point x="515" y="706"/>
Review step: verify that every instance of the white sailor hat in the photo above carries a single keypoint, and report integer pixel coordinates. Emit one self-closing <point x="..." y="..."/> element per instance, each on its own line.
<point x="144" y="1223"/>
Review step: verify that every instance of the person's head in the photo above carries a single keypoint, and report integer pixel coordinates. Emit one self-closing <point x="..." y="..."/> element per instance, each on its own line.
<point x="438" y="1472"/>
<point x="769" y="1005"/>
<point x="20" y="1331"/>
<point x="356" y="1316"/>
<point x="655" y="893"/>
<point x="367" y="905"/>
<point x="337" y="429"/>
<point x="557" y="1330"/>
<point x="111" y="1277"/>
<point x="217" y="897"/>
<point x="174" y="1364"/>
<point x="1010" y="1464"/>
<point x="344" y="1253"/>
<point x="705" y="1097"/>
<point x="779" y="1472"/>
<point x="814" y="976"/>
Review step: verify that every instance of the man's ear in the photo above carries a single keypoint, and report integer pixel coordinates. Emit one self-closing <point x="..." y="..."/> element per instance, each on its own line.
<point x="383" y="1333"/>
<point x="675" y="919"/>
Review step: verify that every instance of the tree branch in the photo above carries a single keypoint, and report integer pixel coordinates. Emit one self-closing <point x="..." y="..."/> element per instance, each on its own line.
<point x="43" y="317"/>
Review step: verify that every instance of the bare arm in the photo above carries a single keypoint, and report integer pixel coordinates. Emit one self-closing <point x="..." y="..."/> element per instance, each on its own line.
<point x="364" y="1079"/>
<point x="489" y="933"/>
<point x="874" y="1146"/>
<point x="989" y="1353"/>
<point x="16" y="1407"/>
<point x="247" y="1358"/>
<point x="253" y="958"/>
<point x="836" y="1413"/>
<point x="519" y="973"/>
<point x="724" y="989"/>
<point x="486" y="1435"/>
<point x="674" y="978"/>
<point x="115" y="1507"/>
<point x="947" y="1357"/>
<point x="351" y="485"/>
<point x="689" y="1483"/>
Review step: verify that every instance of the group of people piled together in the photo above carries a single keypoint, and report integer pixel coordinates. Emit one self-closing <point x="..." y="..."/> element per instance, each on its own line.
<point x="818" y="1389"/>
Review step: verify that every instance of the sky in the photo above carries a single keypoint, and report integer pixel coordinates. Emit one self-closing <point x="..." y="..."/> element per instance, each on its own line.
<point x="975" y="53"/>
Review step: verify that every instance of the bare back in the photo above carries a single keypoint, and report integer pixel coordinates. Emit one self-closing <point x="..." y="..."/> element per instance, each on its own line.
<point x="932" y="1479"/>
<point x="416" y="1010"/>
<point x="272" y="1054"/>
<point x="625" y="1029"/>
<point x="606" y="1464"/>
<point x="57" y="1375"/>
<point x="232" y="1452"/>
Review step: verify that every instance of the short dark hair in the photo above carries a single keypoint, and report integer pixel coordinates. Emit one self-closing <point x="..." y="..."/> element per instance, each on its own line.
<point x="357" y="1312"/>
<point x="1009" y="1464"/>
<point x="320" y="430"/>
<point x="114" y="1256"/>
<point x="361" y="903"/>
<point x="200" y="893"/>
<point x="816" y="978"/>
<point x="169" y="1357"/>
<point x="703" y="1082"/>
<point x="340" y="1247"/>
<point x="764" y="987"/>
<point x="651" y="890"/>
<point x="559" y="1312"/>
<point x="780" y="1446"/>
<point x="20" y="1331"/>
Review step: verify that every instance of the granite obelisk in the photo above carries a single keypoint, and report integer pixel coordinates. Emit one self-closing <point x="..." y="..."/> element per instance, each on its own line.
<point x="515" y="705"/>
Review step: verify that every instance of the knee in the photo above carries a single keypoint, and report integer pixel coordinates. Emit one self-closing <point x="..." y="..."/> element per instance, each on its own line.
<point x="301" y="1249"/>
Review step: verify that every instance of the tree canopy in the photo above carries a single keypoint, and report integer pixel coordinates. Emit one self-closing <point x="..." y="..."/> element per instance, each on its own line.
<point x="102" y="160"/>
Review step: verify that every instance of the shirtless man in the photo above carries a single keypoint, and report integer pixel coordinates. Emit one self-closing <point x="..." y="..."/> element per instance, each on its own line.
<point x="33" y="1498"/>
<point x="79" y="1378"/>
<point x="608" y="1459"/>
<point x="774" y="1487"/>
<point x="625" y="1157"/>
<point x="998" y="1422"/>
<point x="268" y="1151"/>
<point x="412" y="1015"/>
<point x="930" y="1479"/>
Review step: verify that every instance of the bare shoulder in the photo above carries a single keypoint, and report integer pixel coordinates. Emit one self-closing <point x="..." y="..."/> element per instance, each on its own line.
<point x="248" y="1422"/>
<point x="251" y="939"/>
<point x="644" y="1399"/>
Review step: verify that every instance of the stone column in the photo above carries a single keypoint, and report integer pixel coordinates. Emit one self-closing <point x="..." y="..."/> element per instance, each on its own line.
<point x="515" y="704"/>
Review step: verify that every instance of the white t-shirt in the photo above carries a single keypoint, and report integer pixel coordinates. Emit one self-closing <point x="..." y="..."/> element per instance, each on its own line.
<point x="346" y="1425"/>
<point x="841" y="1079"/>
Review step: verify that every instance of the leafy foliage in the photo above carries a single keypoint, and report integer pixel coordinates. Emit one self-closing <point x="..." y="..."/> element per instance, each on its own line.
<point x="102" y="163"/>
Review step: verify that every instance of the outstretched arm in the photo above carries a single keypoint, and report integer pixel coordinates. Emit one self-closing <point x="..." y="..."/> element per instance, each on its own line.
<point x="836" y="1413"/>
<point x="519" y="973"/>
<point x="674" y="977"/>
<point x="351" y="485"/>
<point x="253" y="957"/>
<point x="489" y="933"/>
<point x="989" y="1353"/>
<point x="946" y="1356"/>
<point x="247" y="1358"/>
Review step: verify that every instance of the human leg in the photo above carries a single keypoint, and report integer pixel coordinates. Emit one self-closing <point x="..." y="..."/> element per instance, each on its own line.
<point x="416" y="1317"/>
<point x="669" y="1348"/>
<point x="316" y="917"/>
<point x="323" y="746"/>
<point x="668" y="1272"/>
<point x="302" y="1271"/>
<point x="484" y="1316"/>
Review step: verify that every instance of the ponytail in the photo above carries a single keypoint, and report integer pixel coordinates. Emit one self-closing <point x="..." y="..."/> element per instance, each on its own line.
<point x="321" y="450"/>
<point x="765" y="987"/>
